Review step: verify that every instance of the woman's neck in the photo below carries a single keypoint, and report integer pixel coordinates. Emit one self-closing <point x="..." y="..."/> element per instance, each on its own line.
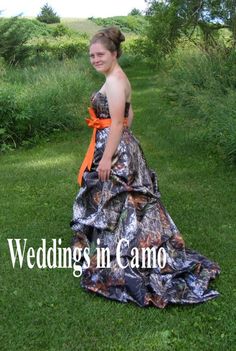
<point x="112" y="69"/>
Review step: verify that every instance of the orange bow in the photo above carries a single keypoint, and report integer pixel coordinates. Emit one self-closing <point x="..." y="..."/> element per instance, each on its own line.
<point x="95" y="123"/>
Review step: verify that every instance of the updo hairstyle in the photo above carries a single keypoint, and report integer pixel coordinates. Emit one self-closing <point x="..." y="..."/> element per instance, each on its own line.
<point x="111" y="38"/>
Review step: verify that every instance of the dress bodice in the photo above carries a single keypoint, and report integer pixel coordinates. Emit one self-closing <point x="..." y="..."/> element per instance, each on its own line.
<point x="100" y="105"/>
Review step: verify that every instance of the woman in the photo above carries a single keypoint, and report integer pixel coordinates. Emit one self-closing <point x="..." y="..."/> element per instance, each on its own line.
<point x="118" y="206"/>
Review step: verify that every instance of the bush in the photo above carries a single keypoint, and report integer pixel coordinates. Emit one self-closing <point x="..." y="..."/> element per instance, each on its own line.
<point x="9" y="110"/>
<point x="202" y="88"/>
<point x="13" y="36"/>
<point x="138" y="46"/>
<point x="60" y="30"/>
<point x="59" y="48"/>
<point x="37" y="101"/>
<point x="135" y="24"/>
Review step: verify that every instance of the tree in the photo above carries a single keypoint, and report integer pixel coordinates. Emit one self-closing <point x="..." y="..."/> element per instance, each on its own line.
<point x="169" y="20"/>
<point x="13" y="36"/>
<point x="47" y="15"/>
<point x="135" y="12"/>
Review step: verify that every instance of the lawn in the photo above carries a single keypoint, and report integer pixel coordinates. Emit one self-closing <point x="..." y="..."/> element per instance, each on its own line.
<point x="46" y="309"/>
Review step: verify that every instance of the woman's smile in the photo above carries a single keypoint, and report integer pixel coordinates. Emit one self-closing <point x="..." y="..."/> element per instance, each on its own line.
<point x="101" y="58"/>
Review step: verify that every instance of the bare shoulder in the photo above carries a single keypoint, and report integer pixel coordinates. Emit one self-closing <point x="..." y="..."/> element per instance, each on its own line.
<point x="119" y="81"/>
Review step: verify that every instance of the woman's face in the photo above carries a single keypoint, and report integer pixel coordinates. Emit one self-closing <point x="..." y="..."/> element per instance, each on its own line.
<point x="101" y="58"/>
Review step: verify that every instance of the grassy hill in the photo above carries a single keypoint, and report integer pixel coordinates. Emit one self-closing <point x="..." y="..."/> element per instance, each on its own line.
<point x="81" y="25"/>
<point x="128" y="24"/>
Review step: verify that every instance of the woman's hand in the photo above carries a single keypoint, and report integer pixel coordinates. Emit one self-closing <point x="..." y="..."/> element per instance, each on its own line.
<point x="104" y="169"/>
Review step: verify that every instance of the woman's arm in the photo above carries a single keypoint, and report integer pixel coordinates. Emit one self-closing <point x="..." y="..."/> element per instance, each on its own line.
<point x="130" y="116"/>
<point x="115" y="92"/>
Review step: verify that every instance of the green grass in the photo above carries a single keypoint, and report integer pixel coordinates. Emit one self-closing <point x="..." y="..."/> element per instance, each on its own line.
<point x="81" y="25"/>
<point x="90" y="27"/>
<point x="85" y="25"/>
<point x="127" y="24"/>
<point x="201" y="88"/>
<point x="38" y="100"/>
<point x="47" y="309"/>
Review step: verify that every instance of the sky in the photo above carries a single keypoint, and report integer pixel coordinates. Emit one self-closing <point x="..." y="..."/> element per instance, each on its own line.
<point x="71" y="8"/>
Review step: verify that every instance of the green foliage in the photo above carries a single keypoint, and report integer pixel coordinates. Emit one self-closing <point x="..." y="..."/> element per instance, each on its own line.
<point x="47" y="15"/>
<point x="163" y="27"/>
<point x="138" y="47"/>
<point x="135" y="12"/>
<point x="61" y="30"/>
<point x="60" y="47"/>
<point x="28" y="41"/>
<point x="171" y="20"/>
<point x="39" y="100"/>
<point x="9" y="109"/>
<point x="37" y="191"/>
<point x="135" y="24"/>
<point x="13" y="36"/>
<point x="34" y="27"/>
<point x="202" y="88"/>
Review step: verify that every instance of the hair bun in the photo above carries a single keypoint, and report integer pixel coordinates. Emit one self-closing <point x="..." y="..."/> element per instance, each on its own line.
<point x="111" y="37"/>
<point x="114" y="34"/>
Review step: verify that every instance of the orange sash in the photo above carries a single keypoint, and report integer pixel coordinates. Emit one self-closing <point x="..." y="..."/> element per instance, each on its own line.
<point x="95" y="123"/>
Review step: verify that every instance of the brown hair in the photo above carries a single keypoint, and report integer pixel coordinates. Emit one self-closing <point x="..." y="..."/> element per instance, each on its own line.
<point x="111" y="38"/>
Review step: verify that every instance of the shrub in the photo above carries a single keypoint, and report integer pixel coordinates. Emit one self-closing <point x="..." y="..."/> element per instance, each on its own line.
<point x="61" y="30"/>
<point x="138" y="46"/>
<point x="202" y="87"/>
<point x="135" y="24"/>
<point x="59" y="48"/>
<point x="13" y="36"/>
<point x="36" y="101"/>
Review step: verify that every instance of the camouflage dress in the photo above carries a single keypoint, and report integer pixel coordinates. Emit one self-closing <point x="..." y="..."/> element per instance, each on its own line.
<point x="128" y="206"/>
